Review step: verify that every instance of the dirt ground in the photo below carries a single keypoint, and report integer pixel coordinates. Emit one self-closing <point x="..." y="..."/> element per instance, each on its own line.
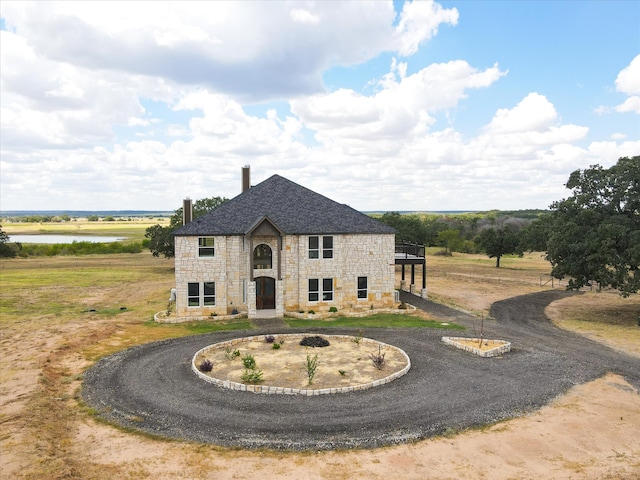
<point x="592" y="432"/>
<point x="343" y="363"/>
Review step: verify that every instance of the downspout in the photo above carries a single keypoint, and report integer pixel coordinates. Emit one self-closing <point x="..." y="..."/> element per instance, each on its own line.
<point x="251" y="257"/>
<point x="279" y="256"/>
<point x="298" y="262"/>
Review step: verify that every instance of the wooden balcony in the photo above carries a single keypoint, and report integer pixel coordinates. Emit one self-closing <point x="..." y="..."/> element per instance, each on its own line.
<point x="409" y="254"/>
<point x="412" y="254"/>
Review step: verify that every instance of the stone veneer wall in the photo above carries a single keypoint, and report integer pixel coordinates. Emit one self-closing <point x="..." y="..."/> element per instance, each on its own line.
<point x="366" y="255"/>
<point x="371" y="256"/>
<point x="191" y="268"/>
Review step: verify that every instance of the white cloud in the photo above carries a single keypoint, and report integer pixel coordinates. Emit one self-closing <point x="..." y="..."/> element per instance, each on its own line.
<point x="77" y="74"/>
<point x="419" y="21"/>
<point x="250" y="50"/>
<point x="394" y="116"/>
<point x="631" y="104"/>
<point x="533" y="113"/>
<point x="628" y="82"/>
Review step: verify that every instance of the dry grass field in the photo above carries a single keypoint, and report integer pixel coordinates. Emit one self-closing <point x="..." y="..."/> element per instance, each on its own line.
<point x="133" y="228"/>
<point x="58" y="315"/>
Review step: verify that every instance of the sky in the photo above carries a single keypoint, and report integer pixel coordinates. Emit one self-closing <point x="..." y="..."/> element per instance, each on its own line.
<point x="384" y="106"/>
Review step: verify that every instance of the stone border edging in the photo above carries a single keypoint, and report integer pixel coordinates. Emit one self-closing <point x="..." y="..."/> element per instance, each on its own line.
<point x="494" y="352"/>
<point x="160" y="317"/>
<point x="270" y="390"/>
<point x="349" y="313"/>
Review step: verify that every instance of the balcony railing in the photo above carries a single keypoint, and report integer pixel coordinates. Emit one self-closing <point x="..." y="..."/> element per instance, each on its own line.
<point x="409" y="250"/>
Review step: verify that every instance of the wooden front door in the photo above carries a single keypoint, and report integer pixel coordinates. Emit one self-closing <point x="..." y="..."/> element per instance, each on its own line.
<point x="265" y="293"/>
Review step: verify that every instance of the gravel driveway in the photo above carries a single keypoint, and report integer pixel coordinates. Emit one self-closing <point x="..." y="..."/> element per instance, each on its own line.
<point x="152" y="388"/>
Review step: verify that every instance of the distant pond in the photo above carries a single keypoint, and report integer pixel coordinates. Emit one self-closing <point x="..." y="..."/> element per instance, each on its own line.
<point x="53" y="239"/>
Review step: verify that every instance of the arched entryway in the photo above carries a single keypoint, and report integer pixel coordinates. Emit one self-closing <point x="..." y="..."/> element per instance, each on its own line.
<point x="265" y="293"/>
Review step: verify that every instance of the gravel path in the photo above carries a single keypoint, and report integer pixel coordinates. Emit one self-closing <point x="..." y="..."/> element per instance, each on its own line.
<point x="152" y="388"/>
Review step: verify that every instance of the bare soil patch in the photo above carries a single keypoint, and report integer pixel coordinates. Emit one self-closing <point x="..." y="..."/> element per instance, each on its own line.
<point x="592" y="432"/>
<point x="605" y="317"/>
<point x="344" y="363"/>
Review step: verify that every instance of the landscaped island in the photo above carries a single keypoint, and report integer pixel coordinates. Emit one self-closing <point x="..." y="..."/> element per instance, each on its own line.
<point x="280" y="364"/>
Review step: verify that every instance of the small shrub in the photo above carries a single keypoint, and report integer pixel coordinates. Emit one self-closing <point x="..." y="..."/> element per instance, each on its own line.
<point x="276" y="346"/>
<point x="252" y="376"/>
<point x="342" y="372"/>
<point x="311" y="366"/>
<point x="249" y="362"/>
<point x="358" y="337"/>
<point x="333" y="309"/>
<point x="231" y="354"/>
<point x="314" y="342"/>
<point x="206" y="365"/>
<point x="378" y="359"/>
<point x="269" y="339"/>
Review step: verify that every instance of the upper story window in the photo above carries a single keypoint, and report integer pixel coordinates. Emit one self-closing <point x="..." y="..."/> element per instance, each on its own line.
<point x="262" y="257"/>
<point x="315" y="247"/>
<point x="327" y="247"/>
<point x="205" y="247"/>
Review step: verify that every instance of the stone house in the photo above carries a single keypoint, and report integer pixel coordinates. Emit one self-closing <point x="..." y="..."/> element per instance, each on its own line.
<point x="279" y="247"/>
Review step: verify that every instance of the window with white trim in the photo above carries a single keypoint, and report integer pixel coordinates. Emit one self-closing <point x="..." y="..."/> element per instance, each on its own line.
<point x="193" y="294"/>
<point x="362" y="287"/>
<point x="209" y="294"/>
<point x="315" y="292"/>
<point x="206" y="247"/>
<point x="327" y="246"/>
<point x="201" y="294"/>
<point x="327" y="289"/>
<point x="314" y="247"/>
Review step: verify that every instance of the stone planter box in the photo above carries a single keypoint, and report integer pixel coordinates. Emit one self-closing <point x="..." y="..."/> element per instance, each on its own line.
<point x="500" y="346"/>
<point x="161" y="317"/>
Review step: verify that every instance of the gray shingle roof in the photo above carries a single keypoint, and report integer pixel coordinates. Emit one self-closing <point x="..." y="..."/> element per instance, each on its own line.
<point x="294" y="209"/>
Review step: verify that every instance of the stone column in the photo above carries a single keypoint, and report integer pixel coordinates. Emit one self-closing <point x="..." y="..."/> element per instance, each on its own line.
<point x="279" y="298"/>
<point x="251" y="299"/>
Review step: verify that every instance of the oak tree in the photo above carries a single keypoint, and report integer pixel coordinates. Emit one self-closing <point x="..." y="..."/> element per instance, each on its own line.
<point x="499" y="241"/>
<point x="161" y="240"/>
<point x="594" y="235"/>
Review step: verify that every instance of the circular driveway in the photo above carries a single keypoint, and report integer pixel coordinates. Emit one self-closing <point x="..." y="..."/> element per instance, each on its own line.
<point x="151" y="387"/>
